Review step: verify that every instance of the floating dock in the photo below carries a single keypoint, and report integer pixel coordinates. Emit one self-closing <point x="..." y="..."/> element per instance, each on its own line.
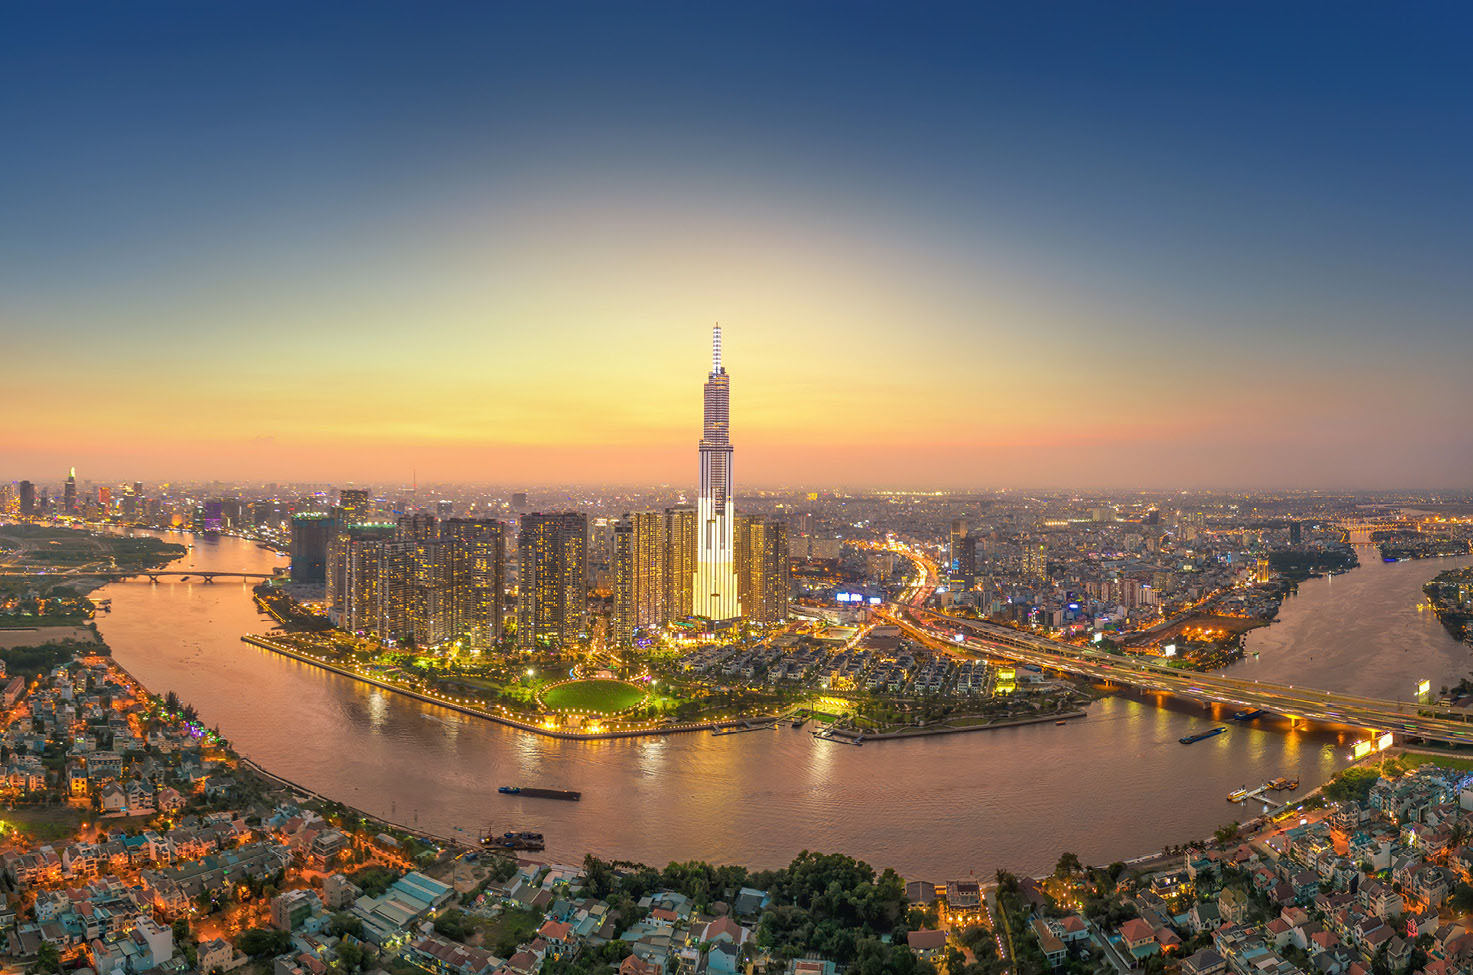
<point x="1259" y="794"/>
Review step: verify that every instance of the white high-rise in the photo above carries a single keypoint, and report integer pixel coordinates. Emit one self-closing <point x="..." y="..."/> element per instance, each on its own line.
<point x="714" y="590"/>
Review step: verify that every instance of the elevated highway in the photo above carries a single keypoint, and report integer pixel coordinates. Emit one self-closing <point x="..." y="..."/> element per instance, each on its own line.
<point x="1405" y="718"/>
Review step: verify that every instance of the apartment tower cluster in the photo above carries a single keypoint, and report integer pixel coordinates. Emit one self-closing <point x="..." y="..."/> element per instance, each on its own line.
<point x="427" y="581"/>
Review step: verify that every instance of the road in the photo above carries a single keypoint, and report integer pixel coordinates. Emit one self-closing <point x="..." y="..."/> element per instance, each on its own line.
<point x="1403" y="718"/>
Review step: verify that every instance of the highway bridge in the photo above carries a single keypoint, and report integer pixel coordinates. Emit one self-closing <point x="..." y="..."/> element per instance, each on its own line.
<point x="154" y="575"/>
<point x="1435" y="723"/>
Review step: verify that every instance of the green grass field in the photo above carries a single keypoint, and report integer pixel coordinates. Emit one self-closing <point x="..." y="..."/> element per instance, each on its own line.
<point x="602" y="696"/>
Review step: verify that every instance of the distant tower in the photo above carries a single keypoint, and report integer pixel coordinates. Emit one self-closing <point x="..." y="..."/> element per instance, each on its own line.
<point x="715" y="586"/>
<point x="69" y="496"/>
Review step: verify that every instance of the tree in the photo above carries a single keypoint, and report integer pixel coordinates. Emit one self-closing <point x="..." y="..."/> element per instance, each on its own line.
<point x="345" y="923"/>
<point x="48" y="959"/>
<point x="264" y="942"/>
<point x="1462" y="899"/>
<point x="350" y="956"/>
<point x="1067" y="866"/>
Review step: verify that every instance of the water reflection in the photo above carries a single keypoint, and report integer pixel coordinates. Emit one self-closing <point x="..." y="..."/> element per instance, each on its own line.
<point x="1112" y="786"/>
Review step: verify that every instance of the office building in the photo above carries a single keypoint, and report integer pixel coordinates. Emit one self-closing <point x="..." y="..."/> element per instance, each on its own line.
<point x="715" y="585"/>
<point x="28" y="498"/>
<point x="552" y="593"/>
<point x="763" y="575"/>
<point x="69" y="493"/>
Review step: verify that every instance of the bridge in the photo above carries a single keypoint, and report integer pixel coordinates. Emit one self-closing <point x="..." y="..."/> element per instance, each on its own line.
<point x="154" y="575"/>
<point x="1437" y="723"/>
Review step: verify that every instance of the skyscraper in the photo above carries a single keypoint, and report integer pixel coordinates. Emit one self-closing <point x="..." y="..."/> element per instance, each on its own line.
<point x="69" y="495"/>
<point x="641" y="574"/>
<point x="27" y="498"/>
<point x="310" y="533"/>
<point x="715" y="584"/>
<point x="354" y="503"/>
<point x="651" y="601"/>
<point x="680" y="562"/>
<point x="552" y="587"/>
<point x="621" y="617"/>
<point x="477" y="578"/>
<point x="763" y="575"/>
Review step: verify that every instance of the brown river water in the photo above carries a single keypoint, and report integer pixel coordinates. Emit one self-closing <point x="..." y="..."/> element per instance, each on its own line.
<point x="1113" y="786"/>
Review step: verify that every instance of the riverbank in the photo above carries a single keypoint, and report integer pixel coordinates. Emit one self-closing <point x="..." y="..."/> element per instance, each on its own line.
<point x="866" y="736"/>
<point x="501" y="719"/>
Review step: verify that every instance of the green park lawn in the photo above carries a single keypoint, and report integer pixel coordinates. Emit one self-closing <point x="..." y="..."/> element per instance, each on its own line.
<point x="597" y="695"/>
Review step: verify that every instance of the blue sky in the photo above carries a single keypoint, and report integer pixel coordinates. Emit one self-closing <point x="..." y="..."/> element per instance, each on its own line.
<point x="1164" y="243"/>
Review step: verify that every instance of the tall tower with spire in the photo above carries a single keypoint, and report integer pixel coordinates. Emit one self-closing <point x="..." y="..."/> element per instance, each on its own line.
<point x="714" y="589"/>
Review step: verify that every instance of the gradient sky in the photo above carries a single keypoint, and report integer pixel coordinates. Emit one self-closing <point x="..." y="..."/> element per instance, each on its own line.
<point x="957" y="246"/>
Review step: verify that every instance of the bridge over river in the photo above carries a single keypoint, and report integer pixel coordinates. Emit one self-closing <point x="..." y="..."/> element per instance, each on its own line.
<point x="1429" y="722"/>
<point x="153" y="575"/>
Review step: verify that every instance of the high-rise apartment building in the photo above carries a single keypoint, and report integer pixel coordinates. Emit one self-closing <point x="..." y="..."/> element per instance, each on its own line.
<point x="621" y="615"/>
<point x="763" y="573"/>
<point x="353" y="503"/>
<point x="552" y="589"/>
<point x="1035" y="559"/>
<point x="715" y="585"/>
<point x="680" y="562"/>
<point x="355" y="574"/>
<point x="651" y="601"/>
<point x="28" y="498"/>
<point x="310" y="534"/>
<point x="477" y="578"/>
<point x="641" y="574"/>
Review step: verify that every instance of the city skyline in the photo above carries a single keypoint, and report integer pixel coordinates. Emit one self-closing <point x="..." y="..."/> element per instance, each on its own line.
<point x="994" y="247"/>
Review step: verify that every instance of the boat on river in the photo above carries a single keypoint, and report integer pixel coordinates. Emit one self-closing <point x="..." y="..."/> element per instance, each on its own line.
<point x="517" y="790"/>
<point x="1201" y="735"/>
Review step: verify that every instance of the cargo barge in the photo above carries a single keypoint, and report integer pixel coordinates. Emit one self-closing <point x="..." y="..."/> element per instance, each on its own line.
<point x="1199" y="736"/>
<point x="516" y="790"/>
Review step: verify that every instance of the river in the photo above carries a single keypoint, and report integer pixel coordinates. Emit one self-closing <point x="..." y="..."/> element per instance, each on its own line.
<point x="1112" y="786"/>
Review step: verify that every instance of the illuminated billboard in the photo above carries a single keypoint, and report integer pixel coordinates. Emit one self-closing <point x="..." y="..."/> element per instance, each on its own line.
<point x="1361" y="749"/>
<point x="1424" y="688"/>
<point x="1384" y="742"/>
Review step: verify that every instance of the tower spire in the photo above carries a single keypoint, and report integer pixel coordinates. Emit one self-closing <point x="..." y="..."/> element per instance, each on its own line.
<point x="716" y="349"/>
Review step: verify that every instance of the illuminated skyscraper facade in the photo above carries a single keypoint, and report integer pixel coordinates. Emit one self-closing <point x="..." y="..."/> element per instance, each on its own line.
<point x="714" y="587"/>
<point x="477" y="578"/>
<point x="680" y="562"/>
<point x="621" y="617"/>
<point x="69" y="493"/>
<point x="552" y="586"/>
<point x="763" y="575"/>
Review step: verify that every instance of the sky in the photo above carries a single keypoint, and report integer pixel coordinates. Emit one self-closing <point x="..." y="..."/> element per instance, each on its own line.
<point x="952" y="246"/>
